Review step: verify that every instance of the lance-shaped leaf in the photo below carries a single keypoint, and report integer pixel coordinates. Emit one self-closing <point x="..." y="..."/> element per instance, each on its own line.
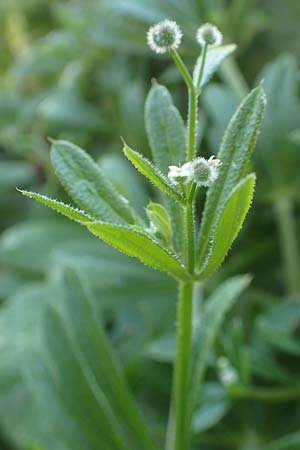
<point x="146" y="168"/>
<point x="229" y="224"/>
<point x="277" y="159"/>
<point x="165" y="129"/>
<point x="214" y="57"/>
<point x="86" y="184"/>
<point x="236" y="149"/>
<point x="60" y="207"/>
<point x="138" y="244"/>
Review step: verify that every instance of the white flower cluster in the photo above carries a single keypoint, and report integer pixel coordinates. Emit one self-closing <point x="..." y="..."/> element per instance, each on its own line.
<point x="202" y="171"/>
<point x="167" y="35"/>
<point x="209" y="34"/>
<point x="164" y="36"/>
<point x="206" y="171"/>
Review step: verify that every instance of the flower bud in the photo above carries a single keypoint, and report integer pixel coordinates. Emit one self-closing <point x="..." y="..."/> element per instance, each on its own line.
<point x="181" y="174"/>
<point x="209" y="34"/>
<point x="227" y="374"/>
<point x="164" y="36"/>
<point x="205" y="172"/>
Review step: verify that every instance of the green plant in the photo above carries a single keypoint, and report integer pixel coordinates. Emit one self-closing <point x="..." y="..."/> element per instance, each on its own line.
<point x="172" y="242"/>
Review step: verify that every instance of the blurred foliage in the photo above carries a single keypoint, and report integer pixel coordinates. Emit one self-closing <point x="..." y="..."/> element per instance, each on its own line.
<point x="80" y="70"/>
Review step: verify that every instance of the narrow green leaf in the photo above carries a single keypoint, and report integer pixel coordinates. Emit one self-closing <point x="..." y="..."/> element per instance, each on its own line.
<point x="160" y="222"/>
<point x="214" y="57"/>
<point x="146" y="168"/>
<point x="165" y="129"/>
<point x="70" y="372"/>
<point x="214" y="405"/>
<point x="86" y="184"/>
<point x="140" y="245"/>
<point x="60" y="207"/>
<point x="229" y="224"/>
<point x="288" y="442"/>
<point x="211" y="318"/>
<point x="88" y="363"/>
<point x="277" y="157"/>
<point x="236" y="149"/>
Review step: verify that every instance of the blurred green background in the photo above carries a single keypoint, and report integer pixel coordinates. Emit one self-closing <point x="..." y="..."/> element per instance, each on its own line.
<point x="80" y="70"/>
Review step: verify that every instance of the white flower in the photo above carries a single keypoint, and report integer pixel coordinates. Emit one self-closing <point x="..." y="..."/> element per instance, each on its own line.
<point x="205" y="171"/>
<point x="181" y="174"/>
<point x="209" y="34"/>
<point x="227" y="374"/>
<point x="164" y="36"/>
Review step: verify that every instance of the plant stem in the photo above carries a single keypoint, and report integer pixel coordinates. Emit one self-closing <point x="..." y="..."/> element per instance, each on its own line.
<point x="192" y="124"/>
<point x="182" y="69"/>
<point x="289" y="246"/>
<point x="178" y="435"/>
<point x="182" y="365"/>
<point x="266" y="394"/>
<point x="190" y="256"/>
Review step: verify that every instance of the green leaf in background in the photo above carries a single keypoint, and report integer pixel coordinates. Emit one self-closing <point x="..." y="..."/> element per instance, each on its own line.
<point x="15" y="173"/>
<point x="220" y="104"/>
<point x="214" y="405"/>
<point x="140" y="245"/>
<point x="214" y="57"/>
<point x="237" y="146"/>
<point x="277" y="158"/>
<point x="85" y="375"/>
<point x="211" y="318"/>
<point x="146" y="168"/>
<point x="279" y="326"/>
<point x="289" y="442"/>
<point x="165" y="129"/>
<point x="163" y="349"/>
<point x="60" y="207"/>
<point x="229" y="223"/>
<point x="126" y="180"/>
<point x="167" y="138"/>
<point x="84" y="181"/>
<point x="160" y="222"/>
<point x="70" y="350"/>
<point x="27" y="247"/>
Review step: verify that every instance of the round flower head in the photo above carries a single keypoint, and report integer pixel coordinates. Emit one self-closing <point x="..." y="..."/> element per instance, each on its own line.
<point x="205" y="172"/>
<point x="181" y="174"/>
<point x="164" y="36"/>
<point x="209" y="34"/>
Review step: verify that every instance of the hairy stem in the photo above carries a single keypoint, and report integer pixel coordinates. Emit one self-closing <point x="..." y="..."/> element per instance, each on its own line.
<point x="190" y="235"/>
<point x="266" y="394"/>
<point x="179" y="427"/>
<point x="182" y="69"/>
<point x="283" y="208"/>
<point x="182" y="366"/>
<point x="192" y="124"/>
